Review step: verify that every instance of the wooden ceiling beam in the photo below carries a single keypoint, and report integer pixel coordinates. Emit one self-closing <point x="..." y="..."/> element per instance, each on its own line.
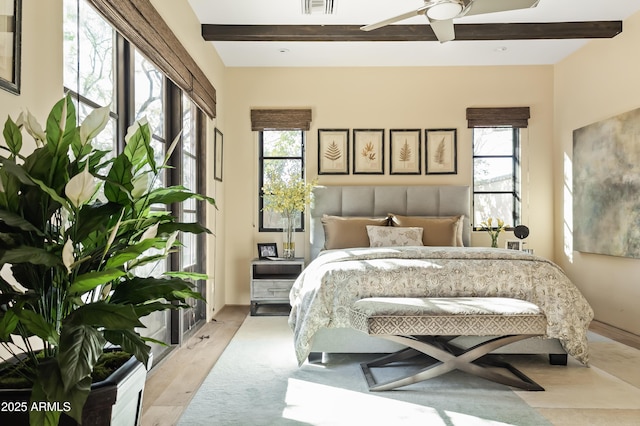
<point x="514" y="31"/>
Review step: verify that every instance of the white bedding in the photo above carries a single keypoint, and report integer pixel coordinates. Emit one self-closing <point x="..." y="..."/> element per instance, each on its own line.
<point x="324" y="292"/>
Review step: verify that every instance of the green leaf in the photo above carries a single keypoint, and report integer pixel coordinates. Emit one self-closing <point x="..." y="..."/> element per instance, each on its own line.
<point x="138" y="148"/>
<point x="51" y="193"/>
<point x="17" y="221"/>
<point x="192" y="228"/>
<point x="80" y="347"/>
<point x="130" y="253"/>
<point x="38" y="325"/>
<point x="33" y="255"/>
<point x="102" y="314"/>
<point x="10" y="167"/>
<point x="42" y="417"/>
<point x="187" y="275"/>
<point x="130" y="342"/>
<point x="90" y="280"/>
<point x="50" y="387"/>
<point x="147" y="308"/>
<point x="118" y="185"/>
<point x="8" y="324"/>
<point x="59" y="129"/>
<point x="95" y="217"/>
<point x="142" y="290"/>
<point x="12" y="136"/>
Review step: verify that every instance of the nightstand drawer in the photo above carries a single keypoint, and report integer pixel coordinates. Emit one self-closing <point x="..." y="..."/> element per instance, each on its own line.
<point x="271" y="289"/>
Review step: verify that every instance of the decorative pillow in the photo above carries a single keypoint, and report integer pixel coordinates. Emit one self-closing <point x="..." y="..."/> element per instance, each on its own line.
<point x="438" y="231"/>
<point x="348" y="232"/>
<point x="394" y="236"/>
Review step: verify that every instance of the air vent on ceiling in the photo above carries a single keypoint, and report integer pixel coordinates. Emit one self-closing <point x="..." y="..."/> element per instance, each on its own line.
<point x="325" y="7"/>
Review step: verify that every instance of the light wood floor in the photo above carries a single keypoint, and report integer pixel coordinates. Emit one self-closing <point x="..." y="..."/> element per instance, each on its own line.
<point x="172" y="384"/>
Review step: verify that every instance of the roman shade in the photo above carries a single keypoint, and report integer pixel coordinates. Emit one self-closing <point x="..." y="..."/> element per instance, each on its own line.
<point x="517" y="117"/>
<point x="140" y="23"/>
<point x="280" y="119"/>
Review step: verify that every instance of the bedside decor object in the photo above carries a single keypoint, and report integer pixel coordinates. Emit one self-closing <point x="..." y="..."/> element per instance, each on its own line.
<point x="494" y="232"/>
<point x="333" y="151"/>
<point x="405" y="151"/>
<point x="513" y="244"/>
<point x="266" y="250"/>
<point x="368" y="151"/>
<point x="289" y="198"/>
<point x="76" y="225"/>
<point x="441" y="151"/>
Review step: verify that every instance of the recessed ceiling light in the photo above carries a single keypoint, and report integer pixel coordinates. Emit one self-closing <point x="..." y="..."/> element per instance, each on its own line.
<point x="283" y="50"/>
<point x="501" y="49"/>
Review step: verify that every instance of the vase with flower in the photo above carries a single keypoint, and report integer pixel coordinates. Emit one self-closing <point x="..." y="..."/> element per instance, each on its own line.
<point x="289" y="198"/>
<point x="493" y="231"/>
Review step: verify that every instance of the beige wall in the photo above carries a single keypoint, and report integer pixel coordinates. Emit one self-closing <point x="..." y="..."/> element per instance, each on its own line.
<point x="387" y="98"/>
<point x="598" y="82"/>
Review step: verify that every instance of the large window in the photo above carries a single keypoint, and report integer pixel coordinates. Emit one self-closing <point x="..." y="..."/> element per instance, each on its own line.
<point x="282" y="158"/>
<point x="102" y="68"/>
<point x="496" y="174"/>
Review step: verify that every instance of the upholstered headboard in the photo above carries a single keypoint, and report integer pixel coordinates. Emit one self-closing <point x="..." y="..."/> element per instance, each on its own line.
<point x="378" y="201"/>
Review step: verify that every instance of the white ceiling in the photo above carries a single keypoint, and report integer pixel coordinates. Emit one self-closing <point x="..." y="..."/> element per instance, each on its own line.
<point x="432" y="53"/>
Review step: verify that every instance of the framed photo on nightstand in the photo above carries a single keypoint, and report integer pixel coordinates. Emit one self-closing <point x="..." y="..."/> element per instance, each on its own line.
<point x="267" y="250"/>
<point x="513" y="244"/>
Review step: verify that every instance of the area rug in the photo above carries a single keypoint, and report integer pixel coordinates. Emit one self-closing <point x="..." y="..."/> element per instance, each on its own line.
<point x="257" y="382"/>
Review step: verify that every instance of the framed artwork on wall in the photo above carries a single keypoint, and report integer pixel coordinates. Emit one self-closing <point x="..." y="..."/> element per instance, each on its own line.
<point x="368" y="151"/>
<point x="333" y="151"/>
<point x="405" y="151"/>
<point x="10" y="44"/>
<point x="441" y="151"/>
<point x="217" y="166"/>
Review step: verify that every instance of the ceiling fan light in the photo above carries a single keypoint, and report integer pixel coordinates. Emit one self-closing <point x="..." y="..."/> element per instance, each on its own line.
<point x="444" y="11"/>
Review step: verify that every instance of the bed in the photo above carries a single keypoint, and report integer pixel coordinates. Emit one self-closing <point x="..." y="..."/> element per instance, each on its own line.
<point x="336" y="277"/>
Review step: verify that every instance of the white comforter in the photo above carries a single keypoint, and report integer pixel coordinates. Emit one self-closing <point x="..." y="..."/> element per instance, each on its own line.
<point x="324" y="292"/>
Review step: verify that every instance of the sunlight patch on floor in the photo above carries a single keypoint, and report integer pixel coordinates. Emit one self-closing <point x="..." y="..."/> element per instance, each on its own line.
<point x="316" y="404"/>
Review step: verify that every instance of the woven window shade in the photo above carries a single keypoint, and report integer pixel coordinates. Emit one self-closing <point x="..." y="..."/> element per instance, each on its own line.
<point x="140" y="23"/>
<point x="498" y="117"/>
<point x="280" y="119"/>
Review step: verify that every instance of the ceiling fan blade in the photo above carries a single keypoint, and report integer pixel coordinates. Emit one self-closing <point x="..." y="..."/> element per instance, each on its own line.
<point x="443" y="30"/>
<point x="479" y="7"/>
<point x="395" y="19"/>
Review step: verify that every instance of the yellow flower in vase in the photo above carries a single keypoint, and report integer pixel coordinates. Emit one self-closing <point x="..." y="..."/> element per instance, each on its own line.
<point x="494" y="232"/>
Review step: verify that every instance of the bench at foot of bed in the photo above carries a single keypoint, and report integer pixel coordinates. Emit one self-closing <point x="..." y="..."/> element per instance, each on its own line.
<point x="428" y="325"/>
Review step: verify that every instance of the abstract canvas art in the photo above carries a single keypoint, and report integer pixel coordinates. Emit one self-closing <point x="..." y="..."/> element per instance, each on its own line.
<point x="606" y="186"/>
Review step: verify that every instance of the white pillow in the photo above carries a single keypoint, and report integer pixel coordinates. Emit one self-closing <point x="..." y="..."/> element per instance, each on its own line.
<point x="394" y="236"/>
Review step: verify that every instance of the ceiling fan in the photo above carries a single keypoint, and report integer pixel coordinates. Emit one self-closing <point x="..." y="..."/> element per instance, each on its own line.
<point x="441" y="13"/>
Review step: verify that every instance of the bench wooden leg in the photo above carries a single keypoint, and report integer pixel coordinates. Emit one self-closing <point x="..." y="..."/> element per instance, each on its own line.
<point x="449" y="358"/>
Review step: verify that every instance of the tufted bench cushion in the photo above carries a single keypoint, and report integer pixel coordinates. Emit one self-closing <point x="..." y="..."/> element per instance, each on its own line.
<point x="447" y="316"/>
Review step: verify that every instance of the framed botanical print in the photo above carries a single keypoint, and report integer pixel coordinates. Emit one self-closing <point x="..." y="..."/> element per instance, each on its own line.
<point x="368" y="151"/>
<point x="10" y="36"/>
<point x="218" y="152"/>
<point x="333" y="151"/>
<point x="405" y="151"/>
<point x="441" y="151"/>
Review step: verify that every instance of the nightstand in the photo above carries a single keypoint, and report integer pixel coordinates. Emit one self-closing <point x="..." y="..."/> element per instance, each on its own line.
<point x="271" y="281"/>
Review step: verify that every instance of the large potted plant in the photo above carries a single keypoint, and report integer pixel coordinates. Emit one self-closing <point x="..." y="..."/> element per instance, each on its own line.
<point x="76" y="228"/>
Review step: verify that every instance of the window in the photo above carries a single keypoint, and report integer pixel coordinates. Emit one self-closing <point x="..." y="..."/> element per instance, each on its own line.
<point x="281" y="157"/>
<point x="496" y="174"/>
<point x="102" y="68"/>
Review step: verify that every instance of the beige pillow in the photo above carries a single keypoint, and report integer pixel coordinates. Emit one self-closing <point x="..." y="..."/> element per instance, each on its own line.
<point x="348" y="232"/>
<point x="394" y="236"/>
<point x="438" y="231"/>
